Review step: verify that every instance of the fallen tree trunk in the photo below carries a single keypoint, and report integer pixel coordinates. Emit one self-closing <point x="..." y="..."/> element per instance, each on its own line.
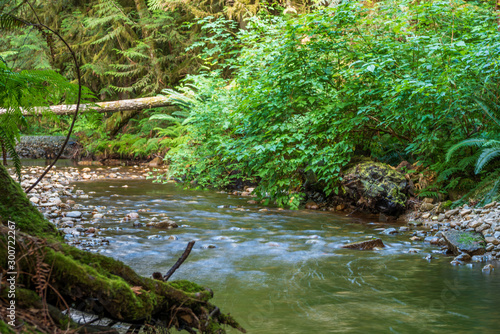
<point x="51" y="275"/>
<point x="102" y="107"/>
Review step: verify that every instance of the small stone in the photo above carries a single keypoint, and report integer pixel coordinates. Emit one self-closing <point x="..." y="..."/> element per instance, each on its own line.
<point x="482" y="227"/>
<point x="168" y="224"/>
<point x="133" y="215"/>
<point x="478" y="258"/>
<point x="465" y="212"/>
<point x="389" y="231"/>
<point x="404" y="229"/>
<point x="415" y="238"/>
<point x="488" y="268"/>
<point x="426" y="215"/>
<point x="312" y="206"/>
<point x="450" y="213"/>
<point x="474" y="224"/>
<point x="34" y="200"/>
<point x="464" y="257"/>
<point x="340" y="207"/>
<point x="492" y="240"/>
<point x="74" y="214"/>
<point x="365" y="245"/>
<point x="424" y="207"/>
<point x="413" y="250"/>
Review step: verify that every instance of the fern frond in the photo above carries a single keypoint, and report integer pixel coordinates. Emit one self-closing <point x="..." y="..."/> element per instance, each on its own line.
<point x="465" y="143"/>
<point x="10" y="22"/>
<point x="486" y="156"/>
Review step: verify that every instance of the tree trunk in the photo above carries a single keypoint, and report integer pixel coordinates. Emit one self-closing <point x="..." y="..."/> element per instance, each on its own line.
<point x="112" y="106"/>
<point x="118" y="121"/>
<point x="53" y="274"/>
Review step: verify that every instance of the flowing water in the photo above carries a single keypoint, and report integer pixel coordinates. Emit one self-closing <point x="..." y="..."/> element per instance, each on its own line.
<point x="283" y="271"/>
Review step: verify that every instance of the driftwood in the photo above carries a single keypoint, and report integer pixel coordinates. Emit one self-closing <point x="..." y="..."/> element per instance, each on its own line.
<point x="102" y="107"/>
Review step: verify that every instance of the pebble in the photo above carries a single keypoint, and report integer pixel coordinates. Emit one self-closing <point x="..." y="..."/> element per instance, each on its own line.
<point x="74" y="214"/>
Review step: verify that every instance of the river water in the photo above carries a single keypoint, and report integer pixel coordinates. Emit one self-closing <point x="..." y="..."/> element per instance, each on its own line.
<point x="283" y="271"/>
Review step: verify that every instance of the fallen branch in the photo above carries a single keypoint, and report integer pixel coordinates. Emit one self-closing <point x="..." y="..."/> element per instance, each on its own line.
<point x="180" y="261"/>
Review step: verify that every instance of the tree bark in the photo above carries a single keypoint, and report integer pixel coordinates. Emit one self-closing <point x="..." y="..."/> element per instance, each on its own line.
<point x="102" y="107"/>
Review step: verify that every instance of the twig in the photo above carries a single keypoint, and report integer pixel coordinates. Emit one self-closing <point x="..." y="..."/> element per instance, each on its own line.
<point x="180" y="261"/>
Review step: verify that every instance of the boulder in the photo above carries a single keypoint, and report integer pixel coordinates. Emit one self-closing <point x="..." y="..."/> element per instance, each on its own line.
<point x="464" y="242"/>
<point x="366" y="245"/>
<point x="376" y="187"/>
<point x="156" y="162"/>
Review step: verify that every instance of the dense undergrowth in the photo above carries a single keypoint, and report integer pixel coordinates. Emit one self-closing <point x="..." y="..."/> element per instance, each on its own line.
<point x="396" y="80"/>
<point x="299" y="94"/>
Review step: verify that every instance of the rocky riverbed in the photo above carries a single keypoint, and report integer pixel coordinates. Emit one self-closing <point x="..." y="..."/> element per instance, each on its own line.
<point x="472" y="234"/>
<point x="57" y="198"/>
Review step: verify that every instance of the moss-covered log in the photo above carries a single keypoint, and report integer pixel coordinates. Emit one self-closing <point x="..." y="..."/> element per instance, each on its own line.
<point x="60" y="275"/>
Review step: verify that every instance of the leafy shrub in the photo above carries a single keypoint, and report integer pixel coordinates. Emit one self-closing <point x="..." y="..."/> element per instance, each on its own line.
<point x="396" y="78"/>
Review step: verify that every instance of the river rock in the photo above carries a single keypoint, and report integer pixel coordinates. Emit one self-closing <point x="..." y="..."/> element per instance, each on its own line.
<point x="390" y="230"/>
<point x="312" y="206"/>
<point x="376" y="187"/>
<point x="488" y="268"/>
<point x="74" y="214"/>
<point x="156" y="162"/>
<point x="426" y="207"/>
<point x="464" y="242"/>
<point x="168" y="224"/>
<point x="365" y="245"/>
<point x="464" y="257"/>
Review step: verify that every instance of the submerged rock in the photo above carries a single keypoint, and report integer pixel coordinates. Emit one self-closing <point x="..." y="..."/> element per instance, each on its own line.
<point x="464" y="242"/>
<point x="366" y="245"/>
<point x="168" y="224"/>
<point x="376" y="187"/>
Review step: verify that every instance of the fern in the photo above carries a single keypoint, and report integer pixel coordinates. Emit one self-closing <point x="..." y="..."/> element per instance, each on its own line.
<point x="487" y="155"/>
<point x="477" y="142"/>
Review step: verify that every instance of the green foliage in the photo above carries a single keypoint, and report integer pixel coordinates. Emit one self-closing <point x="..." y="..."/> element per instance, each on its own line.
<point x="20" y="93"/>
<point x="127" y="50"/>
<point x="398" y="79"/>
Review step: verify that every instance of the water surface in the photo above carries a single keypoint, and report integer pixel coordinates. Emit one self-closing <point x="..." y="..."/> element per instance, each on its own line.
<point x="283" y="271"/>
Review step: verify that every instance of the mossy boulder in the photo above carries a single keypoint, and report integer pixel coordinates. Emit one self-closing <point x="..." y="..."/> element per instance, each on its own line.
<point x="459" y="242"/>
<point x="376" y="187"/>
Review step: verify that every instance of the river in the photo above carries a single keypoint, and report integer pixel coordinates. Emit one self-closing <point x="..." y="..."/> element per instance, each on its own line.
<point x="283" y="271"/>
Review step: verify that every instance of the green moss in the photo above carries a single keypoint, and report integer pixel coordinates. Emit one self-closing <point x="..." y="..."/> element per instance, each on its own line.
<point x="17" y="208"/>
<point x="470" y="239"/>
<point x="186" y="286"/>
<point x="5" y="328"/>
<point x="447" y="204"/>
